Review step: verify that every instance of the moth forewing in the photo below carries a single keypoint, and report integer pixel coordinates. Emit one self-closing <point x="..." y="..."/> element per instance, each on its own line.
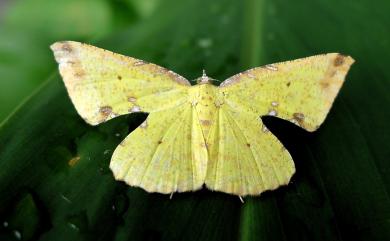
<point x="301" y="91"/>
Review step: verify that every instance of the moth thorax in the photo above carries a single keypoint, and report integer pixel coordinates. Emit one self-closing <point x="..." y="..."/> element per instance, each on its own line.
<point x="204" y="79"/>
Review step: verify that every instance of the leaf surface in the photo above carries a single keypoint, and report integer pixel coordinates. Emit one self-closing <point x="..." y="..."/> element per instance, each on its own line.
<point x="54" y="167"/>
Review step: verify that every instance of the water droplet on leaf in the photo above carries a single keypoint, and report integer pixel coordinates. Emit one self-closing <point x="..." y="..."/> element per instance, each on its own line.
<point x="121" y="204"/>
<point x="25" y="219"/>
<point x="17" y="234"/>
<point x="78" y="222"/>
<point x="205" y="42"/>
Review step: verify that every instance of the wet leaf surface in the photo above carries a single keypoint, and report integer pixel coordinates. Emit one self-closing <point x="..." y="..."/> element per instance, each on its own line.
<point x="54" y="178"/>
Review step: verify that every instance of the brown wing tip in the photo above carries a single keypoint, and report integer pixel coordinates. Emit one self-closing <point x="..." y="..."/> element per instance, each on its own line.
<point x="60" y="45"/>
<point x="342" y="60"/>
<point x="63" y="48"/>
<point x="331" y="84"/>
<point x="63" y="45"/>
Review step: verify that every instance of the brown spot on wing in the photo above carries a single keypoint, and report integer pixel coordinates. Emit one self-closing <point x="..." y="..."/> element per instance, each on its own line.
<point x="66" y="47"/>
<point x="330" y="76"/>
<point x="299" y="117"/>
<point x="324" y="83"/>
<point x="119" y="77"/>
<point x="79" y="73"/>
<point x="105" y="110"/>
<point x="205" y="122"/>
<point x="339" y="60"/>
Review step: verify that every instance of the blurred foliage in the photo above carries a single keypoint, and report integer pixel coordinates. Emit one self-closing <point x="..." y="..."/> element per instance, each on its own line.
<point x="28" y="27"/>
<point x="341" y="188"/>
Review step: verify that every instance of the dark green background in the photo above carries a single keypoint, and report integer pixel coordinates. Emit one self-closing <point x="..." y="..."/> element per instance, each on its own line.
<point x="341" y="188"/>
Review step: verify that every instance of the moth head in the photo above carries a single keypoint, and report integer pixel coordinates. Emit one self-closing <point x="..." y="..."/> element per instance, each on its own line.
<point x="204" y="79"/>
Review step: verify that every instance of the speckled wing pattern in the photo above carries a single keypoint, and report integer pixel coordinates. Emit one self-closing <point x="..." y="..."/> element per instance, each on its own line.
<point x="163" y="155"/>
<point x="245" y="157"/>
<point x="301" y="91"/>
<point x="156" y="156"/>
<point x="200" y="134"/>
<point x="103" y="84"/>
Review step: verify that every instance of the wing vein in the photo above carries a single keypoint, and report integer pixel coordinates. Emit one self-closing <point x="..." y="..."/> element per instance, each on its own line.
<point x="155" y="152"/>
<point x="190" y="145"/>
<point x="219" y="147"/>
<point x="251" y="151"/>
<point x="236" y="147"/>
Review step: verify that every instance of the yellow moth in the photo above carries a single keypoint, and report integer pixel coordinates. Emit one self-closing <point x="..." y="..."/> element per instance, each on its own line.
<point x="201" y="134"/>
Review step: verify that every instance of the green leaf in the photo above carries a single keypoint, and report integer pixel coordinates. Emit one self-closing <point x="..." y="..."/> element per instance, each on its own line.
<point x="54" y="178"/>
<point x="28" y="27"/>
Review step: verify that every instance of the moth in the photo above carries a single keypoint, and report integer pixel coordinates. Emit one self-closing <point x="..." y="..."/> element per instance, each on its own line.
<point x="201" y="134"/>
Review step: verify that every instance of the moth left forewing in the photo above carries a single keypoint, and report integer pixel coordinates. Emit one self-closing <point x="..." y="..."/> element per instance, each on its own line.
<point x="301" y="91"/>
<point x="103" y="85"/>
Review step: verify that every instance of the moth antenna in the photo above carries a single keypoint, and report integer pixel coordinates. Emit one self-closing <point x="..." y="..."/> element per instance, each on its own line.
<point x="204" y="79"/>
<point x="241" y="199"/>
<point x="170" y="197"/>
